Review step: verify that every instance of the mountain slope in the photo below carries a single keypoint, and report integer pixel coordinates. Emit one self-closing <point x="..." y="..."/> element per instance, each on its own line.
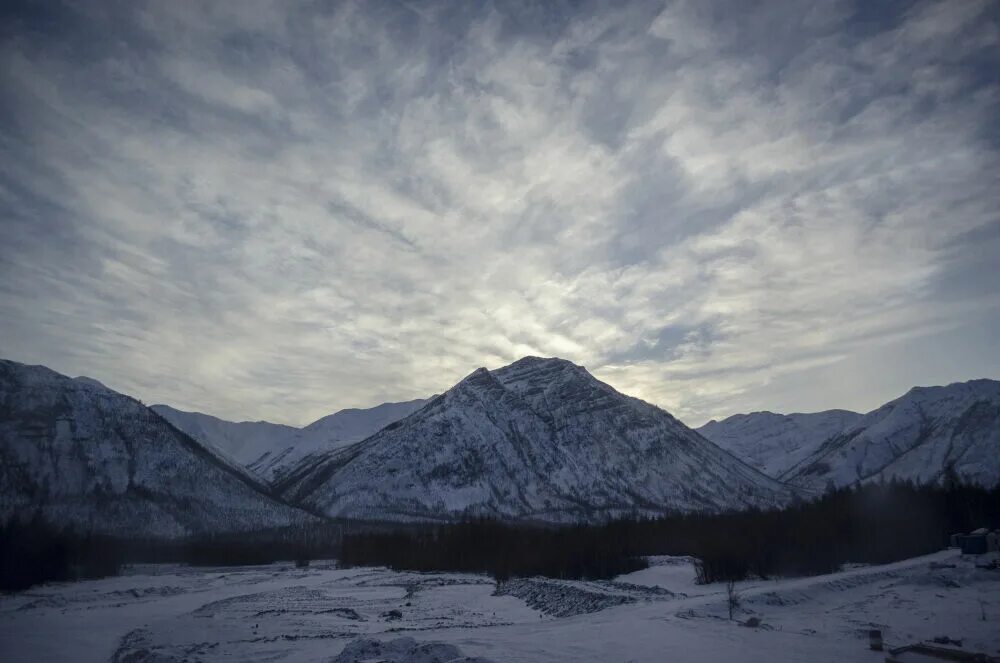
<point x="921" y="436"/>
<point x="773" y="443"/>
<point x="246" y="443"/>
<point x="268" y="450"/>
<point x="539" y="439"/>
<point x="89" y="458"/>
<point x="355" y="424"/>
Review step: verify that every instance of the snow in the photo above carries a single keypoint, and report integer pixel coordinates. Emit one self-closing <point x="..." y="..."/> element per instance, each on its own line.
<point x="92" y="459"/>
<point x="269" y="450"/>
<point x="773" y="443"/>
<point x="676" y="574"/>
<point x="539" y="439"/>
<point x="915" y="437"/>
<point x="281" y="613"/>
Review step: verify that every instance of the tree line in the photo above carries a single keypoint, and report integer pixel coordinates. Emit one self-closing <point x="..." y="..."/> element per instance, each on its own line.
<point x="875" y="523"/>
<point x="34" y="551"/>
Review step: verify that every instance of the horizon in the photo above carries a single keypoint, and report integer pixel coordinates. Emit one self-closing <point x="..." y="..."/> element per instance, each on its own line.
<point x="257" y="210"/>
<point x="429" y="397"/>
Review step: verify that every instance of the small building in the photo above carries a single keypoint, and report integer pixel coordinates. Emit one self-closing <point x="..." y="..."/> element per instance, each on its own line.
<point x="993" y="542"/>
<point x="974" y="543"/>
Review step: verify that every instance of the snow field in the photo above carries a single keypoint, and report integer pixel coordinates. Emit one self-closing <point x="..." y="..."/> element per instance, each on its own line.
<point x="280" y="613"/>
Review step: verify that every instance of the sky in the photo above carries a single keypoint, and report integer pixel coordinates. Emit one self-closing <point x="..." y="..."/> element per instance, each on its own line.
<point x="275" y="210"/>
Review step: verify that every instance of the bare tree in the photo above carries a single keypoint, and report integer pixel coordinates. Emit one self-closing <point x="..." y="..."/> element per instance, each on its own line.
<point x="733" y="597"/>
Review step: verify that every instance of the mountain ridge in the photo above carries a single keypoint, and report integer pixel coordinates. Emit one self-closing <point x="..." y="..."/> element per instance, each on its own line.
<point x="268" y="450"/>
<point x="774" y="442"/>
<point x="921" y="436"/>
<point x="86" y="457"/>
<point x="912" y="437"/>
<point x="538" y="439"/>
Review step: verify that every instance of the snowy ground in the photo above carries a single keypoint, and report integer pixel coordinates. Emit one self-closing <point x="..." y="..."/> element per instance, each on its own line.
<point x="279" y="613"/>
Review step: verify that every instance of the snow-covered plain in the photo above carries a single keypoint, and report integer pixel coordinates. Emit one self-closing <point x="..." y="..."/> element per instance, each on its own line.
<point x="280" y="613"/>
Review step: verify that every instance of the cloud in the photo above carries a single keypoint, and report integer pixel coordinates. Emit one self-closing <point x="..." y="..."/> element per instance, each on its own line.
<point x="273" y="211"/>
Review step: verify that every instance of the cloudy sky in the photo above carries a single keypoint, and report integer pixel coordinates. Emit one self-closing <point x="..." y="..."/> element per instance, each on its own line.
<point x="276" y="210"/>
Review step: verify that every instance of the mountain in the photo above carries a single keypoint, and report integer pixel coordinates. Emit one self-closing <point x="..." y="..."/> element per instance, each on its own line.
<point x="250" y="444"/>
<point x="86" y="457"/>
<point x="353" y="425"/>
<point x="925" y="435"/>
<point x="268" y="450"/>
<point x="540" y="439"/>
<point x="773" y="443"/>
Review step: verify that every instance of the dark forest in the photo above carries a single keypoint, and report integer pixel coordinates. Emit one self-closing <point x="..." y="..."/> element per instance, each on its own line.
<point x="876" y="523"/>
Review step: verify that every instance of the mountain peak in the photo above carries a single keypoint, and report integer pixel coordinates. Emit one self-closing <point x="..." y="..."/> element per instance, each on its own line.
<point x="540" y="369"/>
<point x="538" y="439"/>
<point x="539" y="380"/>
<point x="532" y="360"/>
<point x="478" y="377"/>
<point x="547" y="366"/>
<point x="978" y="386"/>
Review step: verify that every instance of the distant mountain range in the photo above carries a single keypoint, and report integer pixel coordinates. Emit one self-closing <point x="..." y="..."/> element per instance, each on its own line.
<point x="924" y="436"/>
<point x="269" y="450"/>
<point x="85" y="457"/>
<point x="773" y="443"/>
<point x="540" y="439"/>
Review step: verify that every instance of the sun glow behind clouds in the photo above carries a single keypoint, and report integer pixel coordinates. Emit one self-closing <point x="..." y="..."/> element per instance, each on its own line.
<point x="274" y="211"/>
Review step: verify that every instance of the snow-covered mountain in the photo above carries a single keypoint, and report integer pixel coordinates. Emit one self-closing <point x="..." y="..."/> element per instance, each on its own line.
<point x="89" y="458"/>
<point x="539" y="439"/>
<point x="923" y="436"/>
<point x="355" y="424"/>
<point x="268" y="450"/>
<point x="249" y="444"/>
<point x="772" y="442"/>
